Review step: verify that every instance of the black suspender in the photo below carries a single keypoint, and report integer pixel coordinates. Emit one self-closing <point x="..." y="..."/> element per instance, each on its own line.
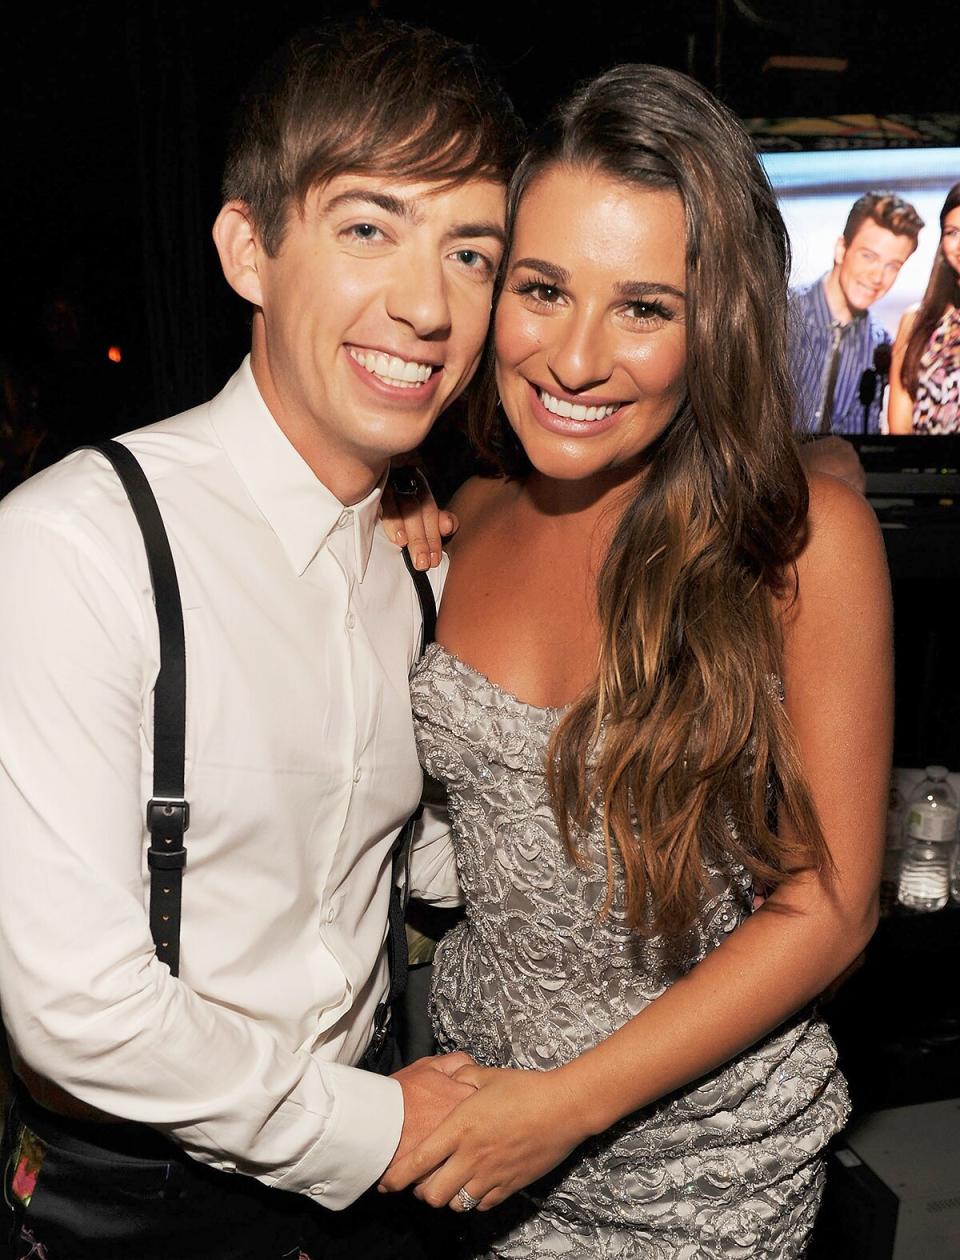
<point x="168" y="813"/>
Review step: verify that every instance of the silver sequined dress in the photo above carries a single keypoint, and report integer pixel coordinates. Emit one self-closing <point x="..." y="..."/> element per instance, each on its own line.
<point x="533" y="977"/>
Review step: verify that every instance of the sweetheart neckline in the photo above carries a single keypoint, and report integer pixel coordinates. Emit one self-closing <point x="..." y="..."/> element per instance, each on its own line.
<point x="552" y="711"/>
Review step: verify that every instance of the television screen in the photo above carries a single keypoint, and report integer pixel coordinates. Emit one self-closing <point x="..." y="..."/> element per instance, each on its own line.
<point x="817" y="188"/>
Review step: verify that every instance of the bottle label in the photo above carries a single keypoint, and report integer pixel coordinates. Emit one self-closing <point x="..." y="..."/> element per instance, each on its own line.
<point x="937" y="823"/>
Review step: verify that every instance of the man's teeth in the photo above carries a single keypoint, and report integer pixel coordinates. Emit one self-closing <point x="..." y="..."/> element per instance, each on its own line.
<point x="392" y="369"/>
<point x="575" y="411"/>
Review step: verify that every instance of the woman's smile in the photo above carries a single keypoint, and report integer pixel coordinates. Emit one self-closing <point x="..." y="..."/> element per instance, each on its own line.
<point x="590" y="329"/>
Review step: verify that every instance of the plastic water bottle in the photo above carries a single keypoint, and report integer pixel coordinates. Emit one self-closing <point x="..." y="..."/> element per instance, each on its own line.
<point x="955" y="872"/>
<point x="930" y="832"/>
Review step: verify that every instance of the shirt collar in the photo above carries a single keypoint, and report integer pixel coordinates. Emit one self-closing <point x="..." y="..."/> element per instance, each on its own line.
<point x="296" y="505"/>
<point x="824" y="313"/>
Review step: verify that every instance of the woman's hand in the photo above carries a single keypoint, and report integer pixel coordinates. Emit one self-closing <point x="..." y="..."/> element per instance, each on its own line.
<point x="411" y="517"/>
<point x="515" y="1128"/>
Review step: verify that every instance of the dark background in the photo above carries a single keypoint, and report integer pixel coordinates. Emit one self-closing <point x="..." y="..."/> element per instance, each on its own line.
<point x="114" y="118"/>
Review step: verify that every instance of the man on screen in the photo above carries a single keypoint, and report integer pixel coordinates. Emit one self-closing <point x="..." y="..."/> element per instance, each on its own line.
<point x="833" y="338"/>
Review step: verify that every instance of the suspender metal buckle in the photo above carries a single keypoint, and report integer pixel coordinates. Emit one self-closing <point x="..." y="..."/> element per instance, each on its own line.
<point x="168" y="817"/>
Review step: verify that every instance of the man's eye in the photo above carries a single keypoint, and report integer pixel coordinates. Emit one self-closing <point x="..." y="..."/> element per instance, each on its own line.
<point x="473" y="260"/>
<point x="364" y="231"/>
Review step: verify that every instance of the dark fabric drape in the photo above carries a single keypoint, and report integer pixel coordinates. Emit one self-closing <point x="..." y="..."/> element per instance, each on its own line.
<point x="174" y="231"/>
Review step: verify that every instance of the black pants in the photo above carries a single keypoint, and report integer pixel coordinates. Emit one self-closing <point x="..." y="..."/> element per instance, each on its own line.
<point x="123" y="1192"/>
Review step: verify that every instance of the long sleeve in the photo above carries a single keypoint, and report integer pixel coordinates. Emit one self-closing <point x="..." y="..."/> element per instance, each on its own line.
<point x="87" y="1003"/>
<point x="300" y="770"/>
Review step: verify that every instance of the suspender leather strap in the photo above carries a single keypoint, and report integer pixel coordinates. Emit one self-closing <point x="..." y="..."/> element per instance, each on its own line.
<point x="168" y="813"/>
<point x="397" y="954"/>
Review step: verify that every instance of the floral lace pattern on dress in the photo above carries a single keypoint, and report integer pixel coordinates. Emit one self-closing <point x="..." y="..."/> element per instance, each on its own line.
<point x="534" y="976"/>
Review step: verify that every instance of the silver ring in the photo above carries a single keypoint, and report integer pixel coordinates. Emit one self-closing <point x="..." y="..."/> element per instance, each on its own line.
<point x="466" y="1199"/>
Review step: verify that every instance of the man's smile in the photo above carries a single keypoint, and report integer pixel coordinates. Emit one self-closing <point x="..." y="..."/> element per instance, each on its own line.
<point x="391" y="368"/>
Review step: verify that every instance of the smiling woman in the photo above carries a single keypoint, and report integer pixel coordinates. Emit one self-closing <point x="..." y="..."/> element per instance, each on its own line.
<point x="590" y="331"/>
<point x="925" y="374"/>
<point x="637" y="724"/>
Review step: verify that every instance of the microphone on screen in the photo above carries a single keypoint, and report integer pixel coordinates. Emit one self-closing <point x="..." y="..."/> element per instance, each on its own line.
<point x="867" y="393"/>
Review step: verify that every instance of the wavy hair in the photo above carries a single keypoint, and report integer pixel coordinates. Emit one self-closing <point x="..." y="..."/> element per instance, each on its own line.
<point x="943" y="290"/>
<point x="683" y="730"/>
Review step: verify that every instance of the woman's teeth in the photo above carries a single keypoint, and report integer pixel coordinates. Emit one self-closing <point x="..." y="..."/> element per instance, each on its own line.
<point x="391" y="369"/>
<point x="575" y="411"/>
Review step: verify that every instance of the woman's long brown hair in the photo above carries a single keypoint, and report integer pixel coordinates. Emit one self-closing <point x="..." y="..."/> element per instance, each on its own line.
<point x="943" y="290"/>
<point x="682" y="746"/>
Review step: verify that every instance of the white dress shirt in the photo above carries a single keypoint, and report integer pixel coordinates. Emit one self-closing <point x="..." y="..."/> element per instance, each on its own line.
<point x="301" y="627"/>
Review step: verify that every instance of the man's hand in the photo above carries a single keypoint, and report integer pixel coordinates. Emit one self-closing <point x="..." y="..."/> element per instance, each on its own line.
<point x="834" y="456"/>
<point x="517" y="1127"/>
<point x="430" y="1093"/>
<point x="411" y="517"/>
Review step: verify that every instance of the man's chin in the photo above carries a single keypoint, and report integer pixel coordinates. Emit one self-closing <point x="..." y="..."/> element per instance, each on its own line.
<point x="861" y="308"/>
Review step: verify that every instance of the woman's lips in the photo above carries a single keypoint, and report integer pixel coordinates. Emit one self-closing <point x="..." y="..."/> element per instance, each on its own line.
<point x="608" y="413"/>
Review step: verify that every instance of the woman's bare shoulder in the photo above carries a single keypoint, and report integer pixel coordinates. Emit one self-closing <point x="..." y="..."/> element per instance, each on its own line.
<point x="844" y="550"/>
<point x="907" y="320"/>
<point x="478" y="497"/>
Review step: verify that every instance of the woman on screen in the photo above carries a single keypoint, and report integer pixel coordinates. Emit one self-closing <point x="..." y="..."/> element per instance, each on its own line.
<point x="925" y="373"/>
<point x="661" y="684"/>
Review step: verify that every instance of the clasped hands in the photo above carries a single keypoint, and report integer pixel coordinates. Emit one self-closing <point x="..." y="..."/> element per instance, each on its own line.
<point x="489" y="1131"/>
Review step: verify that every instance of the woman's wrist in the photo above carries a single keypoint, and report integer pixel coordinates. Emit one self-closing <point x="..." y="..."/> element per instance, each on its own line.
<point x="584" y="1106"/>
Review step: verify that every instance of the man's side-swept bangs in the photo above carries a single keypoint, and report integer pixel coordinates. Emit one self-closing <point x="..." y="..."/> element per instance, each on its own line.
<point x="364" y="97"/>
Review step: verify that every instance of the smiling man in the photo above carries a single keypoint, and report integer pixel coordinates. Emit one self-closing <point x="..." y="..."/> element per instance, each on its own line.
<point x="222" y="1111"/>
<point x="833" y="338"/>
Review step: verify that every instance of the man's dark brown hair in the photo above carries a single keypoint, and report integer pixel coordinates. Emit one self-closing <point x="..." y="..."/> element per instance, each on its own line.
<point x="888" y="211"/>
<point x="377" y="97"/>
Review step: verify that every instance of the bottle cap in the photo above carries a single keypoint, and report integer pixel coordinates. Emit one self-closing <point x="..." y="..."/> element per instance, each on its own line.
<point x="936" y="772"/>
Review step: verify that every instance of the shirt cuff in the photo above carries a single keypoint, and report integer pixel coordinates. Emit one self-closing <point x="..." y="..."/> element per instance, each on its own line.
<point x="358" y="1141"/>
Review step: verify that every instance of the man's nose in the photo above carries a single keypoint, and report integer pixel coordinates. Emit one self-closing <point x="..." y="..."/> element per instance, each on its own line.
<point x="418" y="296"/>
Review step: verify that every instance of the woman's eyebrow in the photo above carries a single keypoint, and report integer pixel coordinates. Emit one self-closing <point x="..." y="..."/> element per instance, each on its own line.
<point x="559" y="275"/>
<point x="635" y="289"/>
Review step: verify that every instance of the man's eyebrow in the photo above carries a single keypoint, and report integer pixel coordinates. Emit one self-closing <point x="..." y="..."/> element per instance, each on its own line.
<point x="478" y="228"/>
<point x="636" y="289"/>
<point x="389" y="202"/>
<point x="559" y="275"/>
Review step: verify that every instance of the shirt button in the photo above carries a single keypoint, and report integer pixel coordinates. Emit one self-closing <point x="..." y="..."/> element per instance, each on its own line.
<point x="351" y="621"/>
<point x="357" y="775"/>
<point x="344" y="520"/>
<point x="317" y="1189"/>
<point x="330" y="916"/>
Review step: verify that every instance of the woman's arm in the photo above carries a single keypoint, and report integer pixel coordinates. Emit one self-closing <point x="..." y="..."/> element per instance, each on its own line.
<point x="838" y="679"/>
<point x="900" y="404"/>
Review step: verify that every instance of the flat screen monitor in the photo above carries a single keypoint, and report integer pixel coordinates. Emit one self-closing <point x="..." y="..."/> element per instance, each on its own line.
<point x="817" y="188"/>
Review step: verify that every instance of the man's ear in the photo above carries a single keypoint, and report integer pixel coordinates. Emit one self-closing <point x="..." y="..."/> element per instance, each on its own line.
<point x="839" y="251"/>
<point x="240" y="250"/>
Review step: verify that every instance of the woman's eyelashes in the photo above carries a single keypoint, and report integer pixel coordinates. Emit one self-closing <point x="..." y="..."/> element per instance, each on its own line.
<point x="645" y="312"/>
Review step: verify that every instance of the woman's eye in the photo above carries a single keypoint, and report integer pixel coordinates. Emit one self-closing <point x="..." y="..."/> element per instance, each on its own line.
<point x="648" y="312"/>
<point x="540" y="291"/>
